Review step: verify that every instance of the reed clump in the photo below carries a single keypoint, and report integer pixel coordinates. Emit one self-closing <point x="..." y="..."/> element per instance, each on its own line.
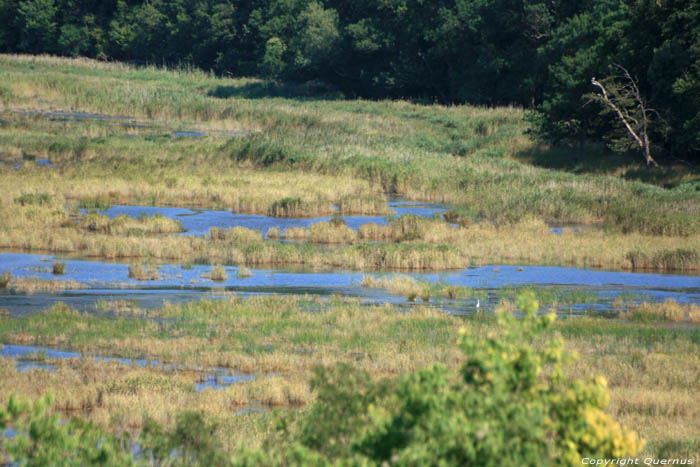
<point x="143" y="272"/>
<point x="274" y="233"/>
<point x="296" y="207"/>
<point x="59" y="268"/>
<point x="244" y="272"/>
<point x="397" y="284"/>
<point x="218" y="273"/>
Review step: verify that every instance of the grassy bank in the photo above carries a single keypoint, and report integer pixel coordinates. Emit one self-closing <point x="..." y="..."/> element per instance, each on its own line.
<point x="652" y="371"/>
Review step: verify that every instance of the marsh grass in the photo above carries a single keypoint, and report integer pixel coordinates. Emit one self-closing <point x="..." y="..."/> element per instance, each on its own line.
<point x="364" y="205"/>
<point x="323" y="232"/>
<point x="236" y="235"/>
<point x="125" y="225"/>
<point x="296" y="207"/>
<point x="680" y="258"/>
<point x="668" y="311"/>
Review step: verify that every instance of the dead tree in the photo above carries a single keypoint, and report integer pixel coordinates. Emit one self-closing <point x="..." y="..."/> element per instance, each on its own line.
<point x="625" y="100"/>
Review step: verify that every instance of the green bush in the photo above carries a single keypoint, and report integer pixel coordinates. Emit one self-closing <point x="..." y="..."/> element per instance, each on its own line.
<point x="42" y="439"/>
<point x="511" y="404"/>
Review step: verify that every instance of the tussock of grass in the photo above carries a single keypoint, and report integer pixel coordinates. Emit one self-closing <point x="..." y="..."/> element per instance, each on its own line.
<point x="244" y="272"/>
<point x="218" y="273"/>
<point x="59" y="268"/>
<point x="143" y="272"/>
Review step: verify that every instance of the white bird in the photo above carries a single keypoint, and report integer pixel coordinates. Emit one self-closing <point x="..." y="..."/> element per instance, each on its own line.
<point x="477" y="304"/>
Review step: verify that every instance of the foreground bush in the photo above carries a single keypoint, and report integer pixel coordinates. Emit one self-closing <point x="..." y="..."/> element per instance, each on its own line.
<point x="511" y="404"/>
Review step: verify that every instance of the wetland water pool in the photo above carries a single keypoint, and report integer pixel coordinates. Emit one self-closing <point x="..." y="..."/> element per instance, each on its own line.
<point x="199" y="221"/>
<point x="595" y="289"/>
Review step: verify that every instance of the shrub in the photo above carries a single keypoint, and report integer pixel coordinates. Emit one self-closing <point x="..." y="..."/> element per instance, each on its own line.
<point x="59" y="268"/>
<point x="42" y="439"/>
<point x="511" y="404"/>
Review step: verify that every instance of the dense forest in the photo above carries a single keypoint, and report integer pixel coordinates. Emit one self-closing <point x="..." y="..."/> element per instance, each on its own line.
<point x="538" y="54"/>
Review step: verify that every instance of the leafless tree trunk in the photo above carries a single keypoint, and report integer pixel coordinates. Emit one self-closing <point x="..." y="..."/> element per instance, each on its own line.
<point x="627" y="103"/>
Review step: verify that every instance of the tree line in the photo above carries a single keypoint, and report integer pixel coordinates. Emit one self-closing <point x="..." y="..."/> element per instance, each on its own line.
<point x="539" y="54"/>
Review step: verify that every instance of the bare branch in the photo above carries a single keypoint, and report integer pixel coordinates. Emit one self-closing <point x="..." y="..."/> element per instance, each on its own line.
<point x="627" y="102"/>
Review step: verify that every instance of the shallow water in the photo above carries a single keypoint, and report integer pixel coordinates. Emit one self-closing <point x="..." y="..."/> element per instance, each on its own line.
<point x="198" y="222"/>
<point x="110" y="281"/>
<point x="25" y="356"/>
